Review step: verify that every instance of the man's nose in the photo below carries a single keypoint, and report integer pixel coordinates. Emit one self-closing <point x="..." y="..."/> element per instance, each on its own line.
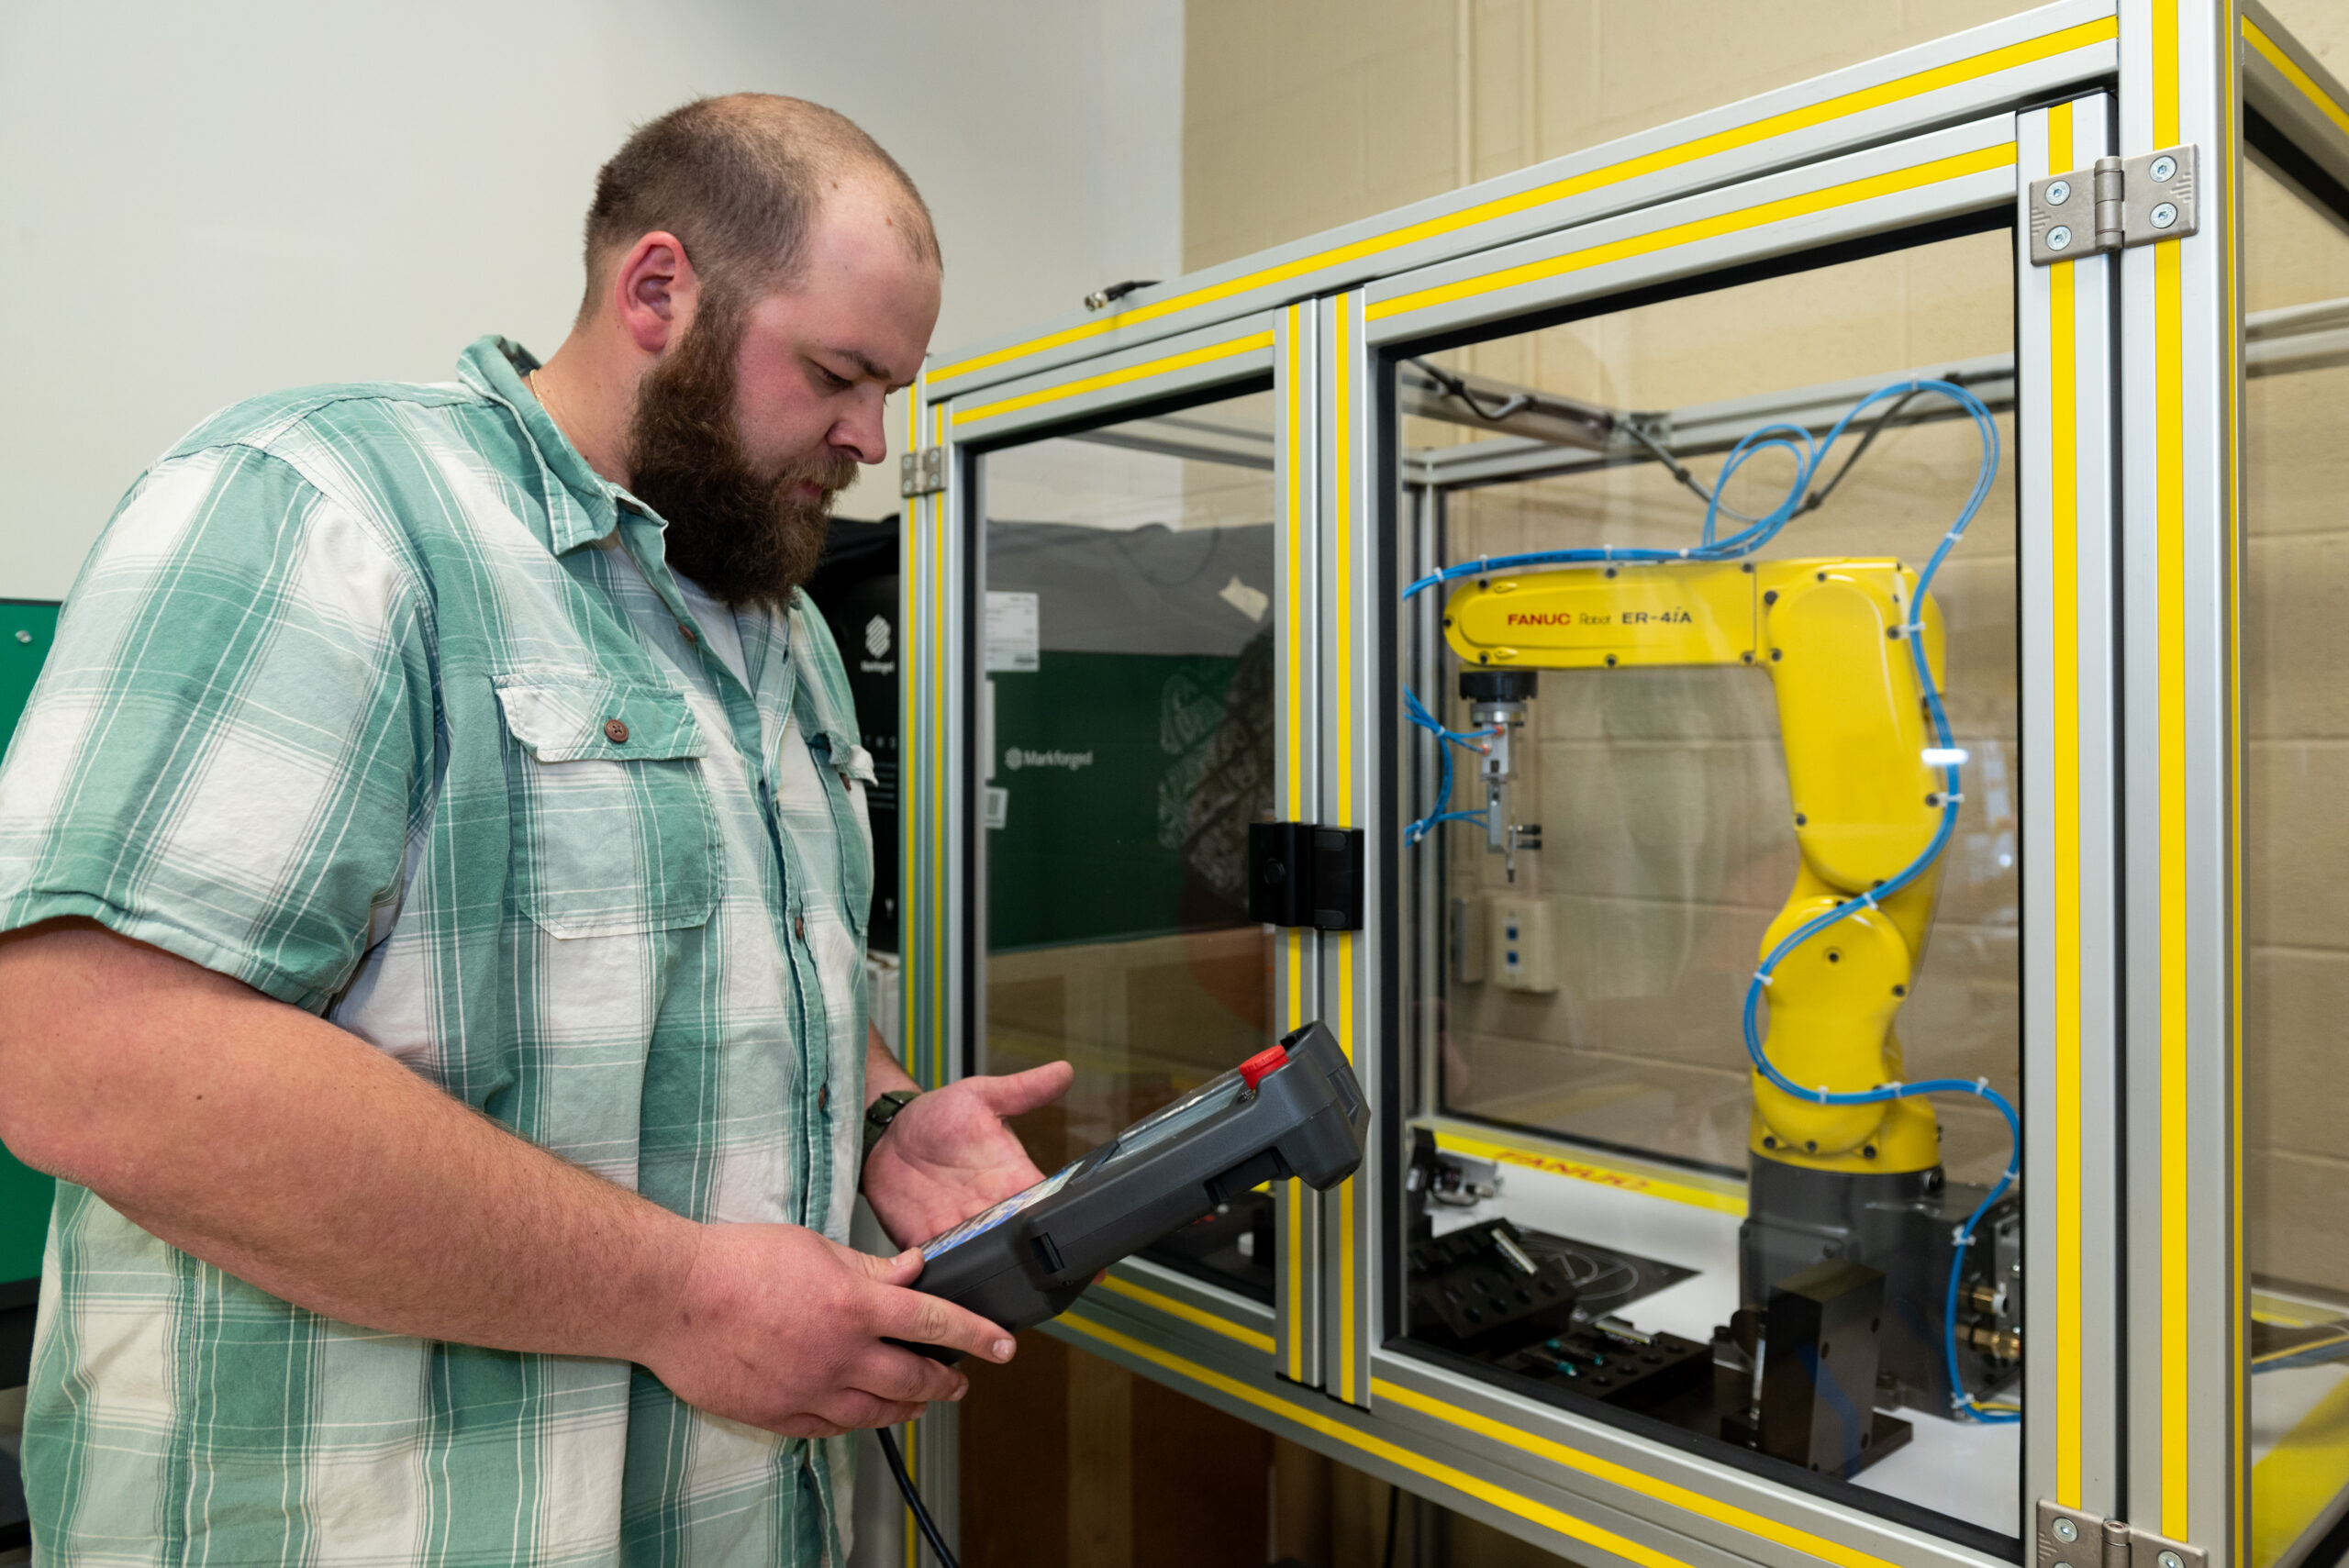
<point x="863" y="433"/>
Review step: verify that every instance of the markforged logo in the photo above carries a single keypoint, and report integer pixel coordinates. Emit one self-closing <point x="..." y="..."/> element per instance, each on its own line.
<point x="1015" y="759"/>
<point x="876" y="637"/>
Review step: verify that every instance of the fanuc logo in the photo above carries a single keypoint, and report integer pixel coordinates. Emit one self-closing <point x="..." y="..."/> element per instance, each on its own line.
<point x="1560" y="619"/>
<point x="1016" y="759"/>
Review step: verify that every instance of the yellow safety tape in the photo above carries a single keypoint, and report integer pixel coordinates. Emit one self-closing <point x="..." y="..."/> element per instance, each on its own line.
<point x="2063" y="479"/>
<point x="1723" y="1199"/>
<point x="1954" y="167"/>
<point x="2290" y="70"/>
<point x="1623" y="1476"/>
<point x="1158" y="1302"/>
<point x="1402" y="1457"/>
<point x="2103" y="29"/>
<point x="1125" y="377"/>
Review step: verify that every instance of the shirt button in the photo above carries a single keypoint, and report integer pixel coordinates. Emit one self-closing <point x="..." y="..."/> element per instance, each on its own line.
<point x="824" y="1098"/>
<point x="799" y="927"/>
<point x="688" y="630"/>
<point x="615" y="732"/>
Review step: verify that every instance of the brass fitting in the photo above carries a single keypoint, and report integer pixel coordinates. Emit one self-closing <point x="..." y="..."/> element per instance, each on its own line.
<point x="1998" y="1344"/>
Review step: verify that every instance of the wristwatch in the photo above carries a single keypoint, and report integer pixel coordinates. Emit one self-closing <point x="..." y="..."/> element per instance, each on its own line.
<point x="880" y="1114"/>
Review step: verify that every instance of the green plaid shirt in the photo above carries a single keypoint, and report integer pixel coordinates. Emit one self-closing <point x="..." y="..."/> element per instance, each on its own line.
<point x="378" y="699"/>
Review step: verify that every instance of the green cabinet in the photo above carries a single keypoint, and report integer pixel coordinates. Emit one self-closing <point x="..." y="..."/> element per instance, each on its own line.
<point x="26" y="628"/>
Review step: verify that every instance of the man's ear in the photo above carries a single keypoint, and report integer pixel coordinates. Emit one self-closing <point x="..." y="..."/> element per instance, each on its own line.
<point x="654" y="291"/>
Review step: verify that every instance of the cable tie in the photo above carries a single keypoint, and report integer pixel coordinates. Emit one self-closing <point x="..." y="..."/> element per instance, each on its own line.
<point x="1953" y="797"/>
<point x="1823" y="1093"/>
<point x="1762" y="976"/>
<point x="1895" y="1088"/>
<point x="1982" y="1087"/>
<point x="1868" y="898"/>
<point x="1959" y="1238"/>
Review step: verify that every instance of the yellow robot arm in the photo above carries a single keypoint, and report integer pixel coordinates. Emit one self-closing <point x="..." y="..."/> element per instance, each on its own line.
<point x="1853" y="722"/>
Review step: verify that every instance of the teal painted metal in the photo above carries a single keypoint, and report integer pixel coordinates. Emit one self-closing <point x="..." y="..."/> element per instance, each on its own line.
<point x="26" y="628"/>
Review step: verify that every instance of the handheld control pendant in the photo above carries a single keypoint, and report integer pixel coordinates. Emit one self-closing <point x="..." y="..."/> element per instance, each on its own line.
<point x="1291" y="1112"/>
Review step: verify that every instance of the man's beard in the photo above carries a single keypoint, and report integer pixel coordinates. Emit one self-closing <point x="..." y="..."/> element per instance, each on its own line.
<point x="742" y="538"/>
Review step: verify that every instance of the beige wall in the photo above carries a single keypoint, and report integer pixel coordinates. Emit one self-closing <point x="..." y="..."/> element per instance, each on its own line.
<point x="1299" y="114"/>
<point x="1667" y="838"/>
<point x="1668" y="846"/>
<point x="2296" y="695"/>
<point x="1302" y="113"/>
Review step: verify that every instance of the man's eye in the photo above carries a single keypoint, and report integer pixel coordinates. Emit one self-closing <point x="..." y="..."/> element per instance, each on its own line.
<point x="832" y="382"/>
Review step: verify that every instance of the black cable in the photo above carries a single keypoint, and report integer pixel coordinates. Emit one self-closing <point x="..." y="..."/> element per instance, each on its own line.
<point x="1455" y="387"/>
<point x="1817" y="497"/>
<point x="1673" y="465"/>
<point x="912" y="1498"/>
<point x="1394" y="1512"/>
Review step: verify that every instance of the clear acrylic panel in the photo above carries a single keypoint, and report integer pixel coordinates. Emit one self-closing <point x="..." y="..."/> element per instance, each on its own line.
<point x="1127" y="704"/>
<point x="2295" y="605"/>
<point x="1125" y="727"/>
<point x="1708" y="744"/>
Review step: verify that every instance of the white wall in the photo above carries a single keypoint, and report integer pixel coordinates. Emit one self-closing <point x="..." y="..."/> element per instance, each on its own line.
<point x="203" y="203"/>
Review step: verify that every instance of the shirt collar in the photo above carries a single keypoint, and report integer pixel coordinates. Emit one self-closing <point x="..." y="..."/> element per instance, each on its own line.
<point x="582" y="506"/>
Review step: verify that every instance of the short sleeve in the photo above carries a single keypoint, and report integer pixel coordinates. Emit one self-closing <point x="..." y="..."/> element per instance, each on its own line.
<point x="223" y="753"/>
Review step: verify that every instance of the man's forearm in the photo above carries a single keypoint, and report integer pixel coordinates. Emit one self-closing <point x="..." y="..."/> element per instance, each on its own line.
<point x="302" y="1160"/>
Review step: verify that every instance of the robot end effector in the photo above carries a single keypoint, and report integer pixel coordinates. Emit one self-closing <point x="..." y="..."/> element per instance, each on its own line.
<point x="1496" y="701"/>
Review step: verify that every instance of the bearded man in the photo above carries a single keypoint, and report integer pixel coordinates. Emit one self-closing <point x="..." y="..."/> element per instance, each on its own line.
<point x="435" y="869"/>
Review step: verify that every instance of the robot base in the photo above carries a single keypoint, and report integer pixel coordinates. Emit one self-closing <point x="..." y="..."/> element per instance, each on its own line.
<point x="1902" y="1226"/>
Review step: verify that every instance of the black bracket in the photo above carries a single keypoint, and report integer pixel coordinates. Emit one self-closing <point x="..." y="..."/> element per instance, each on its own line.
<point x="1299" y="875"/>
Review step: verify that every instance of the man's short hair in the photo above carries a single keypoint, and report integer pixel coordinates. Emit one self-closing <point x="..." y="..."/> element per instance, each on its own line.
<point x="738" y="180"/>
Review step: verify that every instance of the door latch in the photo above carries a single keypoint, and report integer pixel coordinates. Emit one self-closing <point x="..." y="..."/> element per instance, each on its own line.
<point x="1300" y="874"/>
<point x="2117" y="203"/>
<point x="922" y="472"/>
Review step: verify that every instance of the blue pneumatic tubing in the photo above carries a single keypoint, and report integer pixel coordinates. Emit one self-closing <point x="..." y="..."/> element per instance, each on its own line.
<point x="1809" y="455"/>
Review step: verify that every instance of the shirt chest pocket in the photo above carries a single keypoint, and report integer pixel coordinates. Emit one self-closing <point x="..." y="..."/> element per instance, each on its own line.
<point x="613" y="828"/>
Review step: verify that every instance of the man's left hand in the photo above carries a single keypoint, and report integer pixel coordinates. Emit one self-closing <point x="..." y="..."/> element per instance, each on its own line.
<point x="947" y="1155"/>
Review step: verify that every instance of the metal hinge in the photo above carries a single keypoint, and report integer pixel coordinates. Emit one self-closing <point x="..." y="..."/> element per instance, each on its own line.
<point x="922" y="472"/>
<point x="2117" y="203"/>
<point x="2071" y="1538"/>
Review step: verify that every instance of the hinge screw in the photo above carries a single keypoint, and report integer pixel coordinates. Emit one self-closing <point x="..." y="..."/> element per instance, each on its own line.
<point x="2162" y="169"/>
<point x="2067" y="1531"/>
<point x="2170" y="1560"/>
<point x="2059" y="238"/>
<point x="2165" y="216"/>
<point x="2059" y="192"/>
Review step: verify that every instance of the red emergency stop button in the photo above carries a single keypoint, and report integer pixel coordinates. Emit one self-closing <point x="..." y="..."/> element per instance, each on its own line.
<point x="1262" y="1065"/>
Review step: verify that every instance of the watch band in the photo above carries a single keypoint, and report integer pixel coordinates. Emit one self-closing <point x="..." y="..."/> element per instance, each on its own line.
<point x="880" y="1114"/>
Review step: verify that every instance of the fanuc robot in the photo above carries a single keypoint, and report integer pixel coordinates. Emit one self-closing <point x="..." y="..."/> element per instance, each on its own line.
<point x="1845" y="1156"/>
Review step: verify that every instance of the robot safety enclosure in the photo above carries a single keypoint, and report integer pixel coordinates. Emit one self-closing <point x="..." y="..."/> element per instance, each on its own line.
<point x="1771" y="682"/>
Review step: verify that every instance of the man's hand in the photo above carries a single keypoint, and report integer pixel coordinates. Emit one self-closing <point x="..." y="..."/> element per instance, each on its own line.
<point x="781" y="1329"/>
<point x="947" y="1155"/>
<point x="312" y="1165"/>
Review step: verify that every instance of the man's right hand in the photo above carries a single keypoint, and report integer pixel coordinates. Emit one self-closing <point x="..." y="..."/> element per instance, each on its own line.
<point x="782" y="1328"/>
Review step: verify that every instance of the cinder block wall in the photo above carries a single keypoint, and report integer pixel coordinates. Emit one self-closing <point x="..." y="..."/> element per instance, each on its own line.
<point x="1663" y="793"/>
<point x="1668" y="838"/>
<point x="1302" y="113"/>
<point x="2296" y="797"/>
